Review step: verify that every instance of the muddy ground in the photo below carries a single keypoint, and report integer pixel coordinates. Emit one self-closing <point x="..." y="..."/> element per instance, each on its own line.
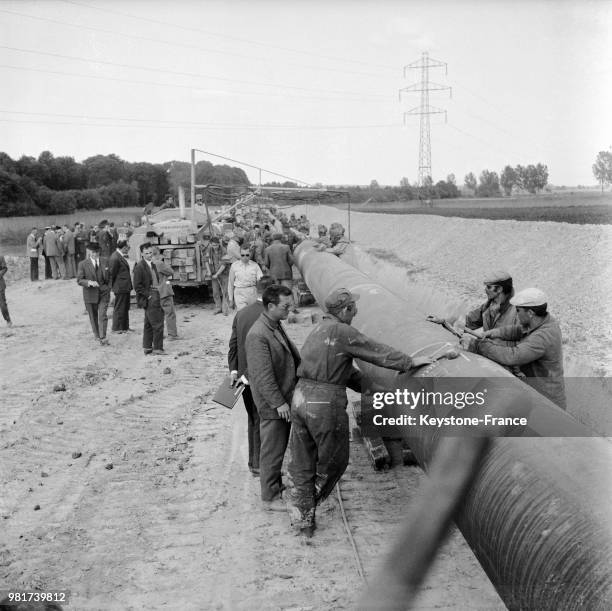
<point x="123" y="483"/>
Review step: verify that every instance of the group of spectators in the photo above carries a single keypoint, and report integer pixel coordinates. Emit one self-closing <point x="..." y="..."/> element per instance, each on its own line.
<point x="294" y="397"/>
<point x="64" y="247"/>
<point x="237" y="259"/>
<point x="100" y="275"/>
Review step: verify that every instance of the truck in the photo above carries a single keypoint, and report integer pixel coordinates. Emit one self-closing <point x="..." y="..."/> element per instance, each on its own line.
<point x="183" y="241"/>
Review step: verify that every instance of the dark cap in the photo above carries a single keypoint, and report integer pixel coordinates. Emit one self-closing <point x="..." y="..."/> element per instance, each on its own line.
<point x="93" y="247"/>
<point x="339" y="298"/>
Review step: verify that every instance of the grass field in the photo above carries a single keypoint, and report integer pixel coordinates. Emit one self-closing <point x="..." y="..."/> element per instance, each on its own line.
<point x="581" y="208"/>
<point x="14" y="230"/>
<point x="580" y="215"/>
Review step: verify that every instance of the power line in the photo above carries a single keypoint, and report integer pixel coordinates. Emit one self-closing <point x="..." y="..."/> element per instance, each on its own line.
<point x="179" y="86"/>
<point x="179" y="44"/>
<point x="486" y="142"/>
<point x="156" y="124"/>
<point x="248" y="165"/>
<point x="227" y="37"/>
<point x="187" y="74"/>
<point x="498" y="127"/>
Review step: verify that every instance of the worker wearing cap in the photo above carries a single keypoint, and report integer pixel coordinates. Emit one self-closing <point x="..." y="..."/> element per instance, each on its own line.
<point x="339" y="243"/>
<point x="323" y="237"/>
<point x="319" y="441"/>
<point x="539" y="351"/>
<point x="497" y="311"/>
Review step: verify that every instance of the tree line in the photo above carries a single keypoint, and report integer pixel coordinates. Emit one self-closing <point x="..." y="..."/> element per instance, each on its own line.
<point x="530" y="179"/>
<point x="61" y="185"/>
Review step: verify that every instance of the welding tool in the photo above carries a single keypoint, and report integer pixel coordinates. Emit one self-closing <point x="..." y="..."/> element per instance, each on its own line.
<point x="444" y="323"/>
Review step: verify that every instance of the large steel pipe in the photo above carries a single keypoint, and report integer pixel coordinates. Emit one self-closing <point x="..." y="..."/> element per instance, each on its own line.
<point x="538" y="516"/>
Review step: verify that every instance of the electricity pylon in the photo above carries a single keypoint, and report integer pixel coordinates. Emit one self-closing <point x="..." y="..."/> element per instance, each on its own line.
<point x="424" y="110"/>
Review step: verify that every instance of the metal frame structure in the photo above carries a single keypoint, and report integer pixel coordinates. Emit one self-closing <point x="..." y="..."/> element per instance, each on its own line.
<point x="424" y="110"/>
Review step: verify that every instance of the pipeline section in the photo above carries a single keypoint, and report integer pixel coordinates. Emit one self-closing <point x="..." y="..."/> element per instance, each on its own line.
<point x="538" y="515"/>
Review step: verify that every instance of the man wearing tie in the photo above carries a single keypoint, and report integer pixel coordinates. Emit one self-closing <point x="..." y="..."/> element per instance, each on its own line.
<point x="146" y="285"/>
<point x="93" y="277"/>
<point x="121" y="283"/>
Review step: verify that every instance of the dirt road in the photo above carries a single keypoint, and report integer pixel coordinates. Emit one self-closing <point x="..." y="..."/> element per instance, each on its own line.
<point x="125" y="485"/>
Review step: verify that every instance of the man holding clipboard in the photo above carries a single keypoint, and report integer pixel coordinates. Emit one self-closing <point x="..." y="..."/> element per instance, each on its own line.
<point x="237" y="361"/>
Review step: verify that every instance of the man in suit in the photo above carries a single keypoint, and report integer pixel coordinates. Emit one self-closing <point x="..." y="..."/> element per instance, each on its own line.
<point x="69" y="252"/>
<point x="80" y="242"/>
<point x="166" y="292"/>
<point x="92" y="275"/>
<point x="105" y="240"/>
<point x="237" y="361"/>
<point x="146" y="285"/>
<point x="52" y="252"/>
<point x="121" y="285"/>
<point x="272" y="364"/>
<point x="48" y="270"/>
<point x="33" y="244"/>
<point x="279" y="260"/>
<point x="59" y="235"/>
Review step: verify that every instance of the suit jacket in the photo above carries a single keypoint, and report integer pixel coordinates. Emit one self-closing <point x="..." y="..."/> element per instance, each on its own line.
<point x="119" y="273"/>
<point x="68" y="242"/>
<point x="50" y="244"/>
<point x="272" y="366"/>
<point x="278" y="259"/>
<point x="86" y="272"/>
<point x="32" y="246"/>
<point x="105" y="240"/>
<point x="143" y="282"/>
<point x="243" y="321"/>
<point x="165" y="272"/>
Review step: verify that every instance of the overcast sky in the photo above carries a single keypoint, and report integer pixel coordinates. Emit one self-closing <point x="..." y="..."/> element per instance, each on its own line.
<point x="309" y="89"/>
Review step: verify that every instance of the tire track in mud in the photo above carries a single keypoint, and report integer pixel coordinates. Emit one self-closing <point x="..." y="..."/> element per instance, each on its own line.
<point x="166" y="535"/>
<point x="151" y="427"/>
